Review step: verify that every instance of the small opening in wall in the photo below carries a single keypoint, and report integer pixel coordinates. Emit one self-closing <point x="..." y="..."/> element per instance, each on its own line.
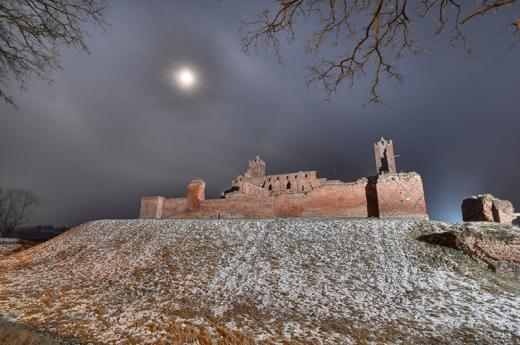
<point x="270" y="187"/>
<point x="305" y="175"/>
<point x="303" y="189"/>
<point x="288" y="185"/>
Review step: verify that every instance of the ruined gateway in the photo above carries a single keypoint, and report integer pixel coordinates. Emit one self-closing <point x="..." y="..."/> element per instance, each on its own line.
<point x="257" y="195"/>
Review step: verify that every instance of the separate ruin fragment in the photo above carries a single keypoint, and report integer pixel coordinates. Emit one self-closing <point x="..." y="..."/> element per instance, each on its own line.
<point x="487" y="208"/>
<point x="254" y="194"/>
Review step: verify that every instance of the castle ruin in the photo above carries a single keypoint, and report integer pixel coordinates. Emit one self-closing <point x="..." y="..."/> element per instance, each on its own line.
<point x="254" y="194"/>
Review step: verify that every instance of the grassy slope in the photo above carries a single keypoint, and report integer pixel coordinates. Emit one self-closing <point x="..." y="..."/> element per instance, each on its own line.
<point x="271" y="281"/>
<point x="12" y="334"/>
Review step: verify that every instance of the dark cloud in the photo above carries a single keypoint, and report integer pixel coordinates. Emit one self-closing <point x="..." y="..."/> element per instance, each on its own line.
<point x="113" y="128"/>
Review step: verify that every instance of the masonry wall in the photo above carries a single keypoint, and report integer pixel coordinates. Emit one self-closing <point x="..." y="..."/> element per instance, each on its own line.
<point x="399" y="195"/>
<point x="391" y="195"/>
<point x="296" y="182"/>
<point x="487" y="208"/>
<point x="172" y="207"/>
<point x="341" y="199"/>
<point x="151" y="207"/>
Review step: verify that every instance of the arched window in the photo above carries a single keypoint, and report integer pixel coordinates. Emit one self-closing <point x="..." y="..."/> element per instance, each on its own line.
<point x="270" y="187"/>
<point x="289" y="185"/>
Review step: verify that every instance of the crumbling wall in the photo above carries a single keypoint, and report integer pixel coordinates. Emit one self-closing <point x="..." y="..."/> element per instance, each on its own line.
<point x="151" y="207"/>
<point x="341" y="199"/>
<point x="400" y="195"/>
<point x="157" y="207"/>
<point x="334" y="199"/>
<point x="477" y="208"/>
<point x="253" y="190"/>
<point x="196" y="194"/>
<point x="487" y="208"/>
<point x="503" y="211"/>
<point x="389" y="195"/>
<point x="240" y="207"/>
<point x="300" y="181"/>
<point x="173" y="207"/>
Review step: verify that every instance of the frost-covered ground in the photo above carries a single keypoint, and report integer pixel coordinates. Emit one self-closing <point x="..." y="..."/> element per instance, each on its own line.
<point x="8" y="245"/>
<point x="283" y="281"/>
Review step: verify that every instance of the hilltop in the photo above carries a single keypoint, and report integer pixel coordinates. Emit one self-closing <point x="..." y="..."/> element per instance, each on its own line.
<point x="280" y="281"/>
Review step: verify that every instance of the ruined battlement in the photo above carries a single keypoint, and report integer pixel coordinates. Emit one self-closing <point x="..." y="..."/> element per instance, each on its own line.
<point x="299" y="194"/>
<point x="301" y="181"/>
<point x="487" y="208"/>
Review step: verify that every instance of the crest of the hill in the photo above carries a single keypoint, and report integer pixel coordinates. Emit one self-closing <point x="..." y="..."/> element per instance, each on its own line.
<point x="282" y="281"/>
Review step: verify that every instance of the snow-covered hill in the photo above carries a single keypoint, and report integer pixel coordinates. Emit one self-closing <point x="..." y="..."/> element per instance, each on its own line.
<point x="8" y="245"/>
<point x="283" y="281"/>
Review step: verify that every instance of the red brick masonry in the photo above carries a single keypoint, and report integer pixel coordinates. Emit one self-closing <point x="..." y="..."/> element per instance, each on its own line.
<point x="387" y="195"/>
<point x="487" y="208"/>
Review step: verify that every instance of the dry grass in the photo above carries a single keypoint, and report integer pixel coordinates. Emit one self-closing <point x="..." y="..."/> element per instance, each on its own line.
<point x="21" y="335"/>
<point x="192" y="283"/>
<point x="189" y="333"/>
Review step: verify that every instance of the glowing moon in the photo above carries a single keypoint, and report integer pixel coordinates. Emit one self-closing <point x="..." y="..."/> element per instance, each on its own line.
<point x="185" y="78"/>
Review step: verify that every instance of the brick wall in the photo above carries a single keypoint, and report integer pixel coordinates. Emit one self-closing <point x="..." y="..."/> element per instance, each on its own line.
<point x="151" y="207"/>
<point x="173" y="207"/>
<point x="390" y="195"/>
<point x="487" y="208"/>
<point x="399" y="195"/>
<point x="341" y="199"/>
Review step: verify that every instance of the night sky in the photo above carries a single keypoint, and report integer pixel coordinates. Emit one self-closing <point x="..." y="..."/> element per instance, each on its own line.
<point x="113" y="128"/>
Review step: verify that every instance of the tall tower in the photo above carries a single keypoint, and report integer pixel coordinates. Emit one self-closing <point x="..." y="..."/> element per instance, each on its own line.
<point x="385" y="158"/>
<point x="256" y="168"/>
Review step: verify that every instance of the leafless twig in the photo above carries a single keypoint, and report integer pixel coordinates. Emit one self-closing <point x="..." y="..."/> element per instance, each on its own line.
<point x="372" y="34"/>
<point x="32" y="31"/>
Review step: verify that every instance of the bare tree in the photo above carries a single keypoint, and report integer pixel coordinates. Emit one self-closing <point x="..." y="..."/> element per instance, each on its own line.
<point x="369" y="34"/>
<point x="16" y="206"/>
<point x="32" y="33"/>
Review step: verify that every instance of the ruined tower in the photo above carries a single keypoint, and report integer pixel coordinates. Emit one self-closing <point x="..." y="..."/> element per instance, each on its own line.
<point x="256" y="168"/>
<point x="385" y="158"/>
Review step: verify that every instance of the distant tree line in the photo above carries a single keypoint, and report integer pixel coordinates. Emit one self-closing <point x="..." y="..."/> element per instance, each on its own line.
<point x="16" y="207"/>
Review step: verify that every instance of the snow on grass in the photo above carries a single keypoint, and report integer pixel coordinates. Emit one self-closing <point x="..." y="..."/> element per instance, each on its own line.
<point x="8" y="245"/>
<point x="321" y="281"/>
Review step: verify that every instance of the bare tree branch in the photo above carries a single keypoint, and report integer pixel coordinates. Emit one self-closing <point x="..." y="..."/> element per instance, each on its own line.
<point x="33" y="31"/>
<point x="372" y="34"/>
